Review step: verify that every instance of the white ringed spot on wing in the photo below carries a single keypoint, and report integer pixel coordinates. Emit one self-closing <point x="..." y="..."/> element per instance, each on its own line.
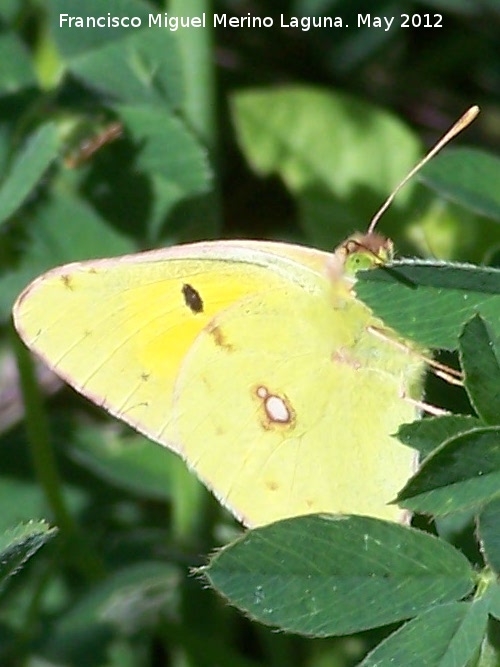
<point x="277" y="409"/>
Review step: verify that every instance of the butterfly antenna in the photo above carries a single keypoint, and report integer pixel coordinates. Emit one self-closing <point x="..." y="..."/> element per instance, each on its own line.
<point x="464" y="121"/>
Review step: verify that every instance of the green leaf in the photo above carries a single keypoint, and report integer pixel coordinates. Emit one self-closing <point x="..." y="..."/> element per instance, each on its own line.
<point x="446" y="636"/>
<point x="133" y="463"/>
<point x="426" y="435"/>
<point x="135" y="65"/>
<point x="168" y="150"/>
<point x="480" y="361"/>
<point x="19" y="544"/>
<point x="468" y="177"/>
<point x="324" y="575"/>
<point x="27" y="169"/>
<point x="125" y="603"/>
<point x="463" y="473"/>
<point x="311" y="136"/>
<point x="93" y="38"/>
<point x="141" y="68"/>
<point x="429" y="301"/>
<point x="494" y="598"/>
<point x="443" y="230"/>
<point x="339" y="156"/>
<point x="19" y="74"/>
<point x="20" y="500"/>
<point x="488" y="525"/>
<point x="66" y="229"/>
<point x="177" y="166"/>
<point x="144" y="468"/>
<point x="9" y="10"/>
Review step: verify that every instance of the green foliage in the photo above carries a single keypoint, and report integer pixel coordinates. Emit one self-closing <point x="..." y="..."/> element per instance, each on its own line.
<point x="311" y="132"/>
<point x="334" y="153"/>
<point x="19" y="544"/>
<point x="450" y="635"/>
<point x="466" y="176"/>
<point x="430" y="302"/>
<point x="334" y="575"/>
<point x="29" y="166"/>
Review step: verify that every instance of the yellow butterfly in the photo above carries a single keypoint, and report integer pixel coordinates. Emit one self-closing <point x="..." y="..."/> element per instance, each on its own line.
<point x="252" y="360"/>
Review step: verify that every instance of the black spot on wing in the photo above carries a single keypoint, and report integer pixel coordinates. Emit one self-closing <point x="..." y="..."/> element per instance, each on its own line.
<point x="192" y="298"/>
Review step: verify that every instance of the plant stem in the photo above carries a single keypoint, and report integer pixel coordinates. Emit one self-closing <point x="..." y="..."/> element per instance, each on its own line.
<point x="45" y="465"/>
<point x="196" y="46"/>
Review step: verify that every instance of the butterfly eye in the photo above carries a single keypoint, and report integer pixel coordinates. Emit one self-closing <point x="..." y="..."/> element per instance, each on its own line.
<point x="352" y="246"/>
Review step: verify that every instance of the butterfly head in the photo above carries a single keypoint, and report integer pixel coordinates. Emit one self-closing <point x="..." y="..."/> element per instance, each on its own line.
<point x="359" y="252"/>
<point x="365" y="251"/>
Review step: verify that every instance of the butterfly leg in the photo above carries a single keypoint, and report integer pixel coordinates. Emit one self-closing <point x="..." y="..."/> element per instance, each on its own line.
<point x="446" y="373"/>
<point x="424" y="407"/>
